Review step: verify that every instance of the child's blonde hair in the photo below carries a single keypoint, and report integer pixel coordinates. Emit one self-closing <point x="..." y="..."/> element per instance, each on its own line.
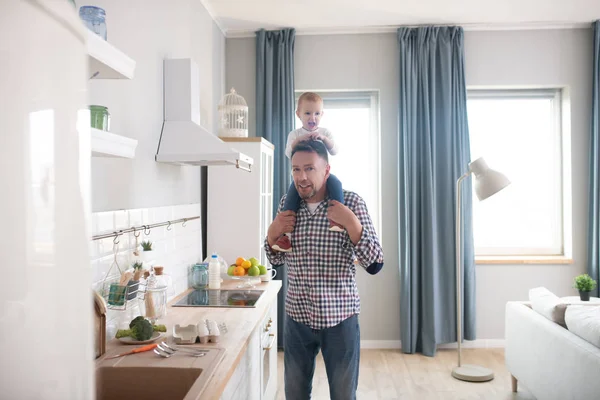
<point x="309" y="96"/>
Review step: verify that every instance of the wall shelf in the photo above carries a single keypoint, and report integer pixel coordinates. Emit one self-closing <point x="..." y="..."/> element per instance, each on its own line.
<point x="107" y="60"/>
<point x="107" y="144"/>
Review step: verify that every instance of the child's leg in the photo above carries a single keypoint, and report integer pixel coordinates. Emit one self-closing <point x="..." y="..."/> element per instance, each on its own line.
<point x="334" y="189"/>
<point x="292" y="202"/>
<point x="292" y="199"/>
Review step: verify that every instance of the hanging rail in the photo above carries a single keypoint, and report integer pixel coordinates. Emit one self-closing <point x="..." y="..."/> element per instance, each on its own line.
<point x="143" y="228"/>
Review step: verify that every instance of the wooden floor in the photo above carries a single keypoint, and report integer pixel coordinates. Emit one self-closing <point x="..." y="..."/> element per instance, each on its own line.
<point x="391" y="374"/>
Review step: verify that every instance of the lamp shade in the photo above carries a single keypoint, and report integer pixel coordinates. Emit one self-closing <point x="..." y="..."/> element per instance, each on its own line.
<point x="487" y="181"/>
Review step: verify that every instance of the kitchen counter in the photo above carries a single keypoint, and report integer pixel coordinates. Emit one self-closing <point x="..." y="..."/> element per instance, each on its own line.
<point x="240" y="322"/>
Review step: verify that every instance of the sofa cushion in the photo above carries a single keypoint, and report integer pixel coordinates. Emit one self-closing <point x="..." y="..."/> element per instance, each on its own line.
<point x="548" y="304"/>
<point x="584" y="321"/>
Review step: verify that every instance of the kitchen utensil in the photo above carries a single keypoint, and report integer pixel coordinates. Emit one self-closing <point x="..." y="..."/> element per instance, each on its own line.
<point x="166" y="351"/>
<point x="134" y="351"/>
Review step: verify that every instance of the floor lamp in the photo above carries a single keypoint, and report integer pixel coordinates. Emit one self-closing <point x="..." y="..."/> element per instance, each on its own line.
<point x="487" y="183"/>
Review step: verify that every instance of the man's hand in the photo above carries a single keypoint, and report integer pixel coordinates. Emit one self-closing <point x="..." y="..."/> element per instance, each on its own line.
<point x="284" y="222"/>
<point x="339" y="213"/>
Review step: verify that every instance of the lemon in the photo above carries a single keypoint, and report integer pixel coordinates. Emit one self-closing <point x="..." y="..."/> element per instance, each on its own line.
<point x="246" y="264"/>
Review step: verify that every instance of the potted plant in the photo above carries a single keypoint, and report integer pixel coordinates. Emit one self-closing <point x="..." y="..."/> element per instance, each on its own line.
<point x="585" y="284"/>
<point x="134" y="283"/>
<point x="146" y="254"/>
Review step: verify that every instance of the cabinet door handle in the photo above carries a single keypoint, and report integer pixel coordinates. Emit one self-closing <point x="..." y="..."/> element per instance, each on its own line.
<point x="270" y="346"/>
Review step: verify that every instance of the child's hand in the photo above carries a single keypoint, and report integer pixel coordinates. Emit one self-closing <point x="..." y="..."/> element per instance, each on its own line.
<point x="315" y="136"/>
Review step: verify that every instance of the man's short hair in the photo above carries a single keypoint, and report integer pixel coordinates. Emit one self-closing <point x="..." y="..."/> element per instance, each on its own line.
<point x="312" y="146"/>
<point x="309" y="96"/>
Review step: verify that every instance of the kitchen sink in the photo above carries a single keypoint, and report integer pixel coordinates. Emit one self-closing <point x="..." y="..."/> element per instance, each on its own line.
<point x="148" y="383"/>
<point x="150" y="377"/>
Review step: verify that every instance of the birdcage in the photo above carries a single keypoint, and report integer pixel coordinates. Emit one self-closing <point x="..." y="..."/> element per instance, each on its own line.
<point x="233" y="115"/>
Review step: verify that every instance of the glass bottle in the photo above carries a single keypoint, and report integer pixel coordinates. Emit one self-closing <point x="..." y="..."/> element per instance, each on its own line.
<point x="200" y="276"/>
<point x="94" y="19"/>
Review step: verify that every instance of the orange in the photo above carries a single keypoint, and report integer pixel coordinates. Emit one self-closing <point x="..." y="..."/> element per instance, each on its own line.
<point x="239" y="261"/>
<point x="239" y="271"/>
<point x="246" y="264"/>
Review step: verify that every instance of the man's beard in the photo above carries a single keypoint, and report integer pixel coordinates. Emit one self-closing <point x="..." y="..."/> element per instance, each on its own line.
<point x="308" y="195"/>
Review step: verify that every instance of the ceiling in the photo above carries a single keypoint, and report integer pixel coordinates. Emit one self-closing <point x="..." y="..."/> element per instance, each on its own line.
<point x="238" y="18"/>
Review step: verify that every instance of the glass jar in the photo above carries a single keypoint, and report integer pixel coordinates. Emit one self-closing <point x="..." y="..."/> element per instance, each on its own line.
<point x="94" y="19"/>
<point x="100" y="118"/>
<point x="200" y="276"/>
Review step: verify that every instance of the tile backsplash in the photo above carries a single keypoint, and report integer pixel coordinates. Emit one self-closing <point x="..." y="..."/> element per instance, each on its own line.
<point x="177" y="249"/>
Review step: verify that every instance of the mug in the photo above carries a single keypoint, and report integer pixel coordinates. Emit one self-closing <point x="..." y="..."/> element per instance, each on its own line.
<point x="271" y="273"/>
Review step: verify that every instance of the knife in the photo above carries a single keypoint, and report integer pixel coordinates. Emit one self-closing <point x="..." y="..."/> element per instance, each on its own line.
<point x="137" y="350"/>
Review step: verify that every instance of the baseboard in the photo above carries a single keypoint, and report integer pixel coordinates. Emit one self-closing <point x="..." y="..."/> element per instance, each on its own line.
<point x="475" y="344"/>
<point x="380" y="344"/>
<point x="469" y="344"/>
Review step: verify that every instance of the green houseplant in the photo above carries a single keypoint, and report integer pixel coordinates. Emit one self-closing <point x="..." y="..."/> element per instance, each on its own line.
<point x="146" y="255"/>
<point x="585" y="284"/>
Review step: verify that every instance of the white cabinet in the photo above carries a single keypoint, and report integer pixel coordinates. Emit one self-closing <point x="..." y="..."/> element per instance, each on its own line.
<point x="255" y="377"/>
<point x="240" y="204"/>
<point x="268" y="352"/>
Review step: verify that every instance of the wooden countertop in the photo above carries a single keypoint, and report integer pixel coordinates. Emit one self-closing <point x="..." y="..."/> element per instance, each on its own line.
<point x="240" y="323"/>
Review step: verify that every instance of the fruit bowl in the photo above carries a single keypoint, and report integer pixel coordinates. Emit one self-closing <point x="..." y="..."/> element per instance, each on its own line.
<point x="246" y="281"/>
<point x="247" y="271"/>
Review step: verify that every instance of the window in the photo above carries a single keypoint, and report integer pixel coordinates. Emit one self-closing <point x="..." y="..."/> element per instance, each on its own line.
<point x="353" y="119"/>
<point x="519" y="134"/>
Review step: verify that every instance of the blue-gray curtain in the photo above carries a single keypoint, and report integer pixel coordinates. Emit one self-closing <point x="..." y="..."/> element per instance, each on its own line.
<point x="275" y="110"/>
<point x="433" y="152"/>
<point x="593" y="268"/>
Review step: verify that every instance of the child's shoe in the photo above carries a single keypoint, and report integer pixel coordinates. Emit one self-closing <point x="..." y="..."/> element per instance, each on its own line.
<point x="283" y="244"/>
<point x="335" y="227"/>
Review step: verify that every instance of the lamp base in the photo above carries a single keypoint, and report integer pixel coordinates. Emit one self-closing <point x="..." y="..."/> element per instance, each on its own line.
<point x="472" y="373"/>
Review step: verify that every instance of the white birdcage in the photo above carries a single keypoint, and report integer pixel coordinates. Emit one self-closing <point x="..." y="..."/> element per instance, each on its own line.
<point x="233" y="115"/>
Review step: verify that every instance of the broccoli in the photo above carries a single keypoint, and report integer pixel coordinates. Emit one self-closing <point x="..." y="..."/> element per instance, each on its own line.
<point x="142" y="330"/>
<point x="135" y="321"/>
<point x="127" y="332"/>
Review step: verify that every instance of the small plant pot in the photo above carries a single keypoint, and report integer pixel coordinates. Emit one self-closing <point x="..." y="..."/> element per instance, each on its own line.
<point x="584" y="296"/>
<point x="132" y="288"/>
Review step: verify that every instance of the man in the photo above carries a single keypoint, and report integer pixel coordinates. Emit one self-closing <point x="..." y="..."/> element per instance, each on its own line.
<point x="322" y="303"/>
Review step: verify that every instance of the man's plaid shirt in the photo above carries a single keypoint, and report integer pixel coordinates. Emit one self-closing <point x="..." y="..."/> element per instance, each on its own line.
<point x="322" y="288"/>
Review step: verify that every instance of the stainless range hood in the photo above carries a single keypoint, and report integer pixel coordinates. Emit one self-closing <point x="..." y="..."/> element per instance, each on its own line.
<point x="183" y="141"/>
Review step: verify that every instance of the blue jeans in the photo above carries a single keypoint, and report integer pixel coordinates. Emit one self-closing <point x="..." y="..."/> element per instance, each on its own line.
<point x="341" y="352"/>
<point x="334" y="190"/>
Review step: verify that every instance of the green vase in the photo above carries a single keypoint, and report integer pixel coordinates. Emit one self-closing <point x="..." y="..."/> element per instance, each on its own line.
<point x="100" y="118"/>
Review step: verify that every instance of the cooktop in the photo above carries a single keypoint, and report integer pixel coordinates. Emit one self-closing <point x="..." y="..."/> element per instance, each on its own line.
<point x="220" y="298"/>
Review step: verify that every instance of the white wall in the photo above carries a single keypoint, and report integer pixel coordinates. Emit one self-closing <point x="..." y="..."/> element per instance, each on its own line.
<point x="149" y="32"/>
<point x="370" y="61"/>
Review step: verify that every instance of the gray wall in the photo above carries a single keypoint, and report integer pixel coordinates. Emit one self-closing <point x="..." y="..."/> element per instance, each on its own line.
<point x="370" y="61"/>
<point x="149" y="32"/>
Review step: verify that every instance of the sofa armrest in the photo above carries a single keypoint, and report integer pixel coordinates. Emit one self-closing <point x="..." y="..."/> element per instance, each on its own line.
<point x="550" y="361"/>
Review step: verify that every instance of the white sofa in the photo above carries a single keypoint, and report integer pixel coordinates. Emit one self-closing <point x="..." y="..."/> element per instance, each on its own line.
<point x="549" y="360"/>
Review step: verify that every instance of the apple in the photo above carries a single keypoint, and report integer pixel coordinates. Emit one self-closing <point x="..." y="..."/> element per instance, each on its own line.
<point x="254" y="262"/>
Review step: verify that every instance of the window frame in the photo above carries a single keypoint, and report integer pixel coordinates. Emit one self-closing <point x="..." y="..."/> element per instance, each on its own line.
<point x="560" y="252"/>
